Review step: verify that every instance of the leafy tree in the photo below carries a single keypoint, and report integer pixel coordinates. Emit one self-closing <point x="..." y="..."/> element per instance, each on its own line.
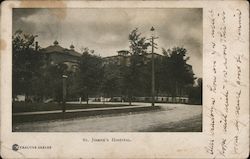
<point x="26" y="64"/>
<point x="112" y="80"/>
<point x="138" y="47"/>
<point x="176" y="73"/>
<point x="138" y="44"/>
<point x="52" y="81"/>
<point x="89" y="76"/>
<point x="23" y="41"/>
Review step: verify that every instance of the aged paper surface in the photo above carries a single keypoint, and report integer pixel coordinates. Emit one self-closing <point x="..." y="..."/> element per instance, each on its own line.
<point x="225" y="108"/>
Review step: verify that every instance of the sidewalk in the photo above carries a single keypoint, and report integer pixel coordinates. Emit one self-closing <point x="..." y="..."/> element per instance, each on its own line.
<point x="77" y="110"/>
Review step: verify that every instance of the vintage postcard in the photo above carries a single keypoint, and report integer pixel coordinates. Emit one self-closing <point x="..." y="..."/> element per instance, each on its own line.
<point x="124" y="79"/>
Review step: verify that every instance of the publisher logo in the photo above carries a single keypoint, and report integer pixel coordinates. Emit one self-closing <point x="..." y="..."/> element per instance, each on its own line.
<point x="15" y="147"/>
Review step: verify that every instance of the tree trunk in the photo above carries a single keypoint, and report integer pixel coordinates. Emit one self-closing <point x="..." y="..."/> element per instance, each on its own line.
<point x="130" y="100"/>
<point x="87" y="99"/>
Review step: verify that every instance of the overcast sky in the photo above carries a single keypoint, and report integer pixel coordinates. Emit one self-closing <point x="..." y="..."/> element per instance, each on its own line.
<point x="106" y="30"/>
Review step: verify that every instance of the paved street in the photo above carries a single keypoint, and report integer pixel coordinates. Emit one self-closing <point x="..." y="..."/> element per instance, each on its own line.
<point x="173" y="117"/>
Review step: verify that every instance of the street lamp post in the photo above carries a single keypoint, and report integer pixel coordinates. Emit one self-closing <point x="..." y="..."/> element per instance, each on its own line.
<point x="153" y="67"/>
<point x="64" y="85"/>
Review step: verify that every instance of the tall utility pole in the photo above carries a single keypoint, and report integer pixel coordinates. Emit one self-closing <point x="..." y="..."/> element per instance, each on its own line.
<point x="153" y="66"/>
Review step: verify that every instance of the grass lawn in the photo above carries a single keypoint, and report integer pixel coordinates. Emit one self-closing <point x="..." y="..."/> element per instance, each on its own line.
<point x="18" y="107"/>
<point x="74" y="115"/>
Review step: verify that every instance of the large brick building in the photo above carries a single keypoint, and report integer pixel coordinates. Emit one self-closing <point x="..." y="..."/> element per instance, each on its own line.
<point x="56" y="54"/>
<point x="124" y="58"/>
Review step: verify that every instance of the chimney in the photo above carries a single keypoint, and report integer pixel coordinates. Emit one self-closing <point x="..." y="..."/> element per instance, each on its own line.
<point x="36" y="45"/>
<point x="55" y="42"/>
<point x="72" y="47"/>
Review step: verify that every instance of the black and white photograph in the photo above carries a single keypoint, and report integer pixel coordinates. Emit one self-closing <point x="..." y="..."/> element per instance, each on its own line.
<point x="107" y="69"/>
<point x="124" y="79"/>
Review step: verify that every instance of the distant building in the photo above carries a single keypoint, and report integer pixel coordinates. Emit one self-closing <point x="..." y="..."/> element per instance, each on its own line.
<point x="124" y="58"/>
<point x="123" y="52"/>
<point x="56" y="54"/>
<point x="117" y="60"/>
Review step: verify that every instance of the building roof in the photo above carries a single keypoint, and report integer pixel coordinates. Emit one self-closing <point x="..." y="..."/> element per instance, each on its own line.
<point x="56" y="48"/>
<point x="73" y="52"/>
<point x="148" y="55"/>
<point x="53" y="48"/>
<point x="115" y="56"/>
